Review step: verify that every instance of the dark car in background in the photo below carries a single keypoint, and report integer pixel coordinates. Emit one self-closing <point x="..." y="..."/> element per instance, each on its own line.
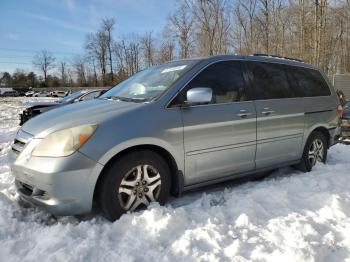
<point x="345" y="122"/>
<point x="38" y="108"/>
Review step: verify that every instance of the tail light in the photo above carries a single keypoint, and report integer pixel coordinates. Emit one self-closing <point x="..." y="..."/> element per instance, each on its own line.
<point x="340" y="111"/>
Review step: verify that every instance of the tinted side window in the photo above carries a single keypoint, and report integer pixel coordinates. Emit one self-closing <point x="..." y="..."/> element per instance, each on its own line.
<point x="309" y="81"/>
<point x="294" y="84"/>
<point x="226" y="80"/>
<point x="269" y="81"/>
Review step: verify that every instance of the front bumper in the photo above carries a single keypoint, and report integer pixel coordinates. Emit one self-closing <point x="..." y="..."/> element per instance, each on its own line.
<point x="62" y="186"/>
<point x="334" y="135"/>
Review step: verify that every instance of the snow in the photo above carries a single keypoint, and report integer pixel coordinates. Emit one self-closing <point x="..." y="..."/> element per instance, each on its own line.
<point x="289" y="216"/>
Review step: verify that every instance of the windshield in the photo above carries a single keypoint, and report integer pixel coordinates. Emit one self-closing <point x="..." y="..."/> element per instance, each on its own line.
<point x="71" y="96"/>
<point x="149" y="83"/>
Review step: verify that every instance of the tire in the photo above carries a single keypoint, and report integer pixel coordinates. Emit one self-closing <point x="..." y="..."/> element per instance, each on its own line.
<point x="124" y="182"/>
<point x="313" y="144"/>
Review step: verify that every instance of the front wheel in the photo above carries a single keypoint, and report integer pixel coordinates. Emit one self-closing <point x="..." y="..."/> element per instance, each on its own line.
<point x="315" y="151"/>
<point x="134" y="181"/>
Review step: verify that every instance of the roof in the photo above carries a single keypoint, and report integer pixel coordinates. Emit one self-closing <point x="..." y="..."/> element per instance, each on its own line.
<point x="261" y="58"/>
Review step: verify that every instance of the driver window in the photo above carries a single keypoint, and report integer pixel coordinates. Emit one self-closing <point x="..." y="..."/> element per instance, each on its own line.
<point x="224" y="78"/>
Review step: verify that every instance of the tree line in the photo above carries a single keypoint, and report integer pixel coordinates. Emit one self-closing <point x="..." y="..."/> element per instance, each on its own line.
<point x="315" y="31"/>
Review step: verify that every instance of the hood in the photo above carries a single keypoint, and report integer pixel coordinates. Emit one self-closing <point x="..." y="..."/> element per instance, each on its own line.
<point x="37" y="105"/>
<point x="90" y="112"/>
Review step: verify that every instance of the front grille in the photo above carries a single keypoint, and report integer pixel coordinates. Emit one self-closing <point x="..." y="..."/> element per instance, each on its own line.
<point x="22" y="138"/>
<point x="18" y="146"/>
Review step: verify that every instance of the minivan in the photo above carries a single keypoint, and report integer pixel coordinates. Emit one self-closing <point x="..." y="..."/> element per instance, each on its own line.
<point x="8" y="92"/>
<point x="174" y="127"/>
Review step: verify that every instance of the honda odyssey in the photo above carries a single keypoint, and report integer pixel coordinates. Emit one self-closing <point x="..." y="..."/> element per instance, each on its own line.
<point x="174" y="127"/>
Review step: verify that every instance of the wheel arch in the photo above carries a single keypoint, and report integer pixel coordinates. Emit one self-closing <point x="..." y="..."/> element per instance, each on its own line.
<point x="176" y="174"/>
<point x="322" y="129"/>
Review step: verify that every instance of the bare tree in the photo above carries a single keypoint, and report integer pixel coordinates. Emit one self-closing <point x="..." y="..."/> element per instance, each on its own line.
<point x="147" y="42"/>
<point x="91" y="61"/>
<point x="301" y="27"/>
<point x="44" y="61"/>
<point x="166" y="52"/>
<point x="63" y="71"/>
<point x="128" y="53"/>
<point x="70" y="77"/>
<point x="181" y="27"/>
<point x="79" y="67"/>
<point x="213" y="26"/>
<point x="320" y="21"/>
<point x="245" y="15"/>
<point x="96" y="46"/>
<point x="265" y="23"/>
<point x="316" y="31"/>
<point x="107" y="27"/>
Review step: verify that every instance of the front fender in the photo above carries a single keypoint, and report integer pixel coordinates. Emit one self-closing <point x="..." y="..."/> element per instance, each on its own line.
<point x="140" y="142"/>
<point x="146" y="141"/>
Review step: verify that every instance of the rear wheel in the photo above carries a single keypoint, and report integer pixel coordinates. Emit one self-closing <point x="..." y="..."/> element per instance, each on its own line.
<point x="132" y="182"/>
<point x="315" y="151"/>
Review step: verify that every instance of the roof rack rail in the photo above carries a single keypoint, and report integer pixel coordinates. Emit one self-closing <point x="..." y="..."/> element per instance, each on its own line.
<point x="282" y="57"/>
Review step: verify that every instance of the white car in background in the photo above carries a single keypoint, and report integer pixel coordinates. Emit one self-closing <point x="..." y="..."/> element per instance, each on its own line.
<point x="41" y="94"/>
<point x="29" y="93"/>
<point x="58" y="93"/>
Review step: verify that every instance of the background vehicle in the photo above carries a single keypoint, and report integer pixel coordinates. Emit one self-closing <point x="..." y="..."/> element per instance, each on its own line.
<point x="41" y="94"/>
<point x="29" y="93"/>
<point x="38" y="108"/>
<point x="10" y="93"/>
<point x="174" y="127"/>
<point x="345" y="121"/>
<point x="7" y="91"/>
<point x="58" y="93"/>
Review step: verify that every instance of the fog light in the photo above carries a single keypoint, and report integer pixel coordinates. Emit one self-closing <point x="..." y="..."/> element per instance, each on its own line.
<point x="38" y="193"/>
<point x="45" y="196"/>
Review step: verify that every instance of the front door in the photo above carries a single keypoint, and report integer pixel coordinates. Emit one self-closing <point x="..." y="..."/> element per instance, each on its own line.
<point x="219" y="137"/>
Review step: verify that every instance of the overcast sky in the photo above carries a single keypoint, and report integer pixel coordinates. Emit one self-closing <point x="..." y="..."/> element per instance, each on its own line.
<point x="61" y="26"/>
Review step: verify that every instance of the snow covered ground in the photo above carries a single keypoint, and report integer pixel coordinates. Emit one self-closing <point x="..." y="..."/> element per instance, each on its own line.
<point x="288" y="216"/>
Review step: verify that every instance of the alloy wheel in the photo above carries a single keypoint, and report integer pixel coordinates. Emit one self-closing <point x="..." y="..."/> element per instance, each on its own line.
<point x="316" y="152"/>
<point x="139" y="186"/>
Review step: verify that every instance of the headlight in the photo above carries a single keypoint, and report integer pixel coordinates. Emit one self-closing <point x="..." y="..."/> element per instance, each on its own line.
<point x="64" y="142"/>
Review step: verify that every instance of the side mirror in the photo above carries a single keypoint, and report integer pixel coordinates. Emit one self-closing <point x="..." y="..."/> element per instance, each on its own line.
<point x="199" y="95"/>
<point x="76" y="100"/>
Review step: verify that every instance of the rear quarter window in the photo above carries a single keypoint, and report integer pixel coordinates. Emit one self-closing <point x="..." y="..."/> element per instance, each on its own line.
<point x="308" y="82"/>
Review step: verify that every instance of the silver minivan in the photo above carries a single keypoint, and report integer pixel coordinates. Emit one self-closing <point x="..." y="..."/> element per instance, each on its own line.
<point x="174" y="127"/>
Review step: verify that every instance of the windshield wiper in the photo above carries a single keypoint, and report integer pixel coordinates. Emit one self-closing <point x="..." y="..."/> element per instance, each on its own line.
<point x="128" y="99"/>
